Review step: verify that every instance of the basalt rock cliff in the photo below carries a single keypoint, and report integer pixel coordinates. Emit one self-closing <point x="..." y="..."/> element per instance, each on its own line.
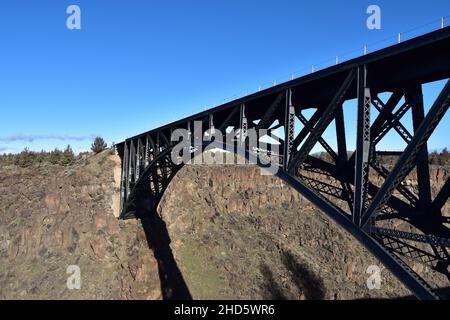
<point x="229" y="232"/>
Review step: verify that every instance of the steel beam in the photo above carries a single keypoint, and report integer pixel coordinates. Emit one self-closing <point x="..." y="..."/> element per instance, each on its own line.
<point x="124" y="187"/>
<point x="158" y="144"/>
<point x="243" y="125"/>
<point x="428" y="239"/>
<point x="389" y="153"/>
<point x="130" y="166"/>
<point x="342" y="156"/>
<point x="268" y="117"/>
<point x="153" y="146"/>
<point x="211" y="122"/>
<point x="382" y="171"/>
<point x="362" y="146"/>
<point x="340" y="136"/>
<point x="414" y="97"/>
<point x="289" y="117"/>
<point x="322" y="141"/>
<point x="377" y="125"/>
<point x="223" y="126"/>
<point x="305" y="130"/>
<point x="138" y="160"/>
<point x="407" y="160"/>
<point x="165" y="140"/>
<point x="147" y="150"/>
<point x="393" y="121"/>
<point x="386" y="110"/>
<point x="322" y="124"/>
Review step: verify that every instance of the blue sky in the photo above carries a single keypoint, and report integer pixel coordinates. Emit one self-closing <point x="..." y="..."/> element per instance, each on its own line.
<point x="135" y="65"/>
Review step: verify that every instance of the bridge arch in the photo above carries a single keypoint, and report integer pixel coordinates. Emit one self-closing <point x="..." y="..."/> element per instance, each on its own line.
<point x="362" y="207"/>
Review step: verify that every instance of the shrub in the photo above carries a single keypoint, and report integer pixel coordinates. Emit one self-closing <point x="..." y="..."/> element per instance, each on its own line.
<point x="98" y="145"/>
<point x="27" y="158"/>
<point x="441" y="158"/>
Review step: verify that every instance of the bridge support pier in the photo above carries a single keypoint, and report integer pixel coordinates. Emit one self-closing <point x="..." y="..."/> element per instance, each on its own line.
<point x="362" y="146"/>
<point x="289" y="127"/>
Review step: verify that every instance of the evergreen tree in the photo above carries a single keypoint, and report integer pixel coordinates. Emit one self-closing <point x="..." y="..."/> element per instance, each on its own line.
<point x="67" y="156"/>
<point x="98" y="145"/>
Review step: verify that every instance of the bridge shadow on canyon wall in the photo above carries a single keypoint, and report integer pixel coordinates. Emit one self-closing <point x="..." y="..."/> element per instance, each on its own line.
<point x="303" y="279"/>
<point x="173" y="286"/>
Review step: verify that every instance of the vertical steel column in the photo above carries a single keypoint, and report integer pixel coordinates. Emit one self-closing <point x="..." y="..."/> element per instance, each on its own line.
<point x="414" y="97"/>
<point x="153" y="148"/>
<point x="289" y="123"/>
<point x="146" y="151"/>
<point x="242" y="126"/>
<point x="165" y="141"/>
<point x="362" y="146"/>
<point x="342" y="158"/>
<point x="188" y="128"/>
<point x="158" y="144"/>
<point x="211" y="123"/>
<point x="340" y="135"/>
<point x="124" y="186"/>
<point x="130" y="167"/>
<point x="138" y="160"/>
<point x="134" y="160"/>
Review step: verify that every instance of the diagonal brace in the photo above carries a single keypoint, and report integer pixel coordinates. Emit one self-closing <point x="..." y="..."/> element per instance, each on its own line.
<point x="322" y="124"/>
<point x="407" y="160"/>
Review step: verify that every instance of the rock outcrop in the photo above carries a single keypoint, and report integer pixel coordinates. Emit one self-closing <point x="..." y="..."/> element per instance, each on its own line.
<point x="234" y="234"/>
<point x="52" y="217"/>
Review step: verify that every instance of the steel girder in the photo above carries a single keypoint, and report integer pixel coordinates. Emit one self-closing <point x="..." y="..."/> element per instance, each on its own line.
<point x="343" y="187"/>
<point x="362" y="146"/>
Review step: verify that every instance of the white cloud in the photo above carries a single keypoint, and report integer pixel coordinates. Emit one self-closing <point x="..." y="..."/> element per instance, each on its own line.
<point x="33" y="137"/>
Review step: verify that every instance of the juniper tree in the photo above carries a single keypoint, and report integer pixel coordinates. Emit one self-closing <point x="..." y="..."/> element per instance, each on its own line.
<point x="98" y="145"/>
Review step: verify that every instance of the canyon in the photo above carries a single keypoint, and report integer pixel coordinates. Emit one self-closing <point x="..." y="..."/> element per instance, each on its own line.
<point x="227" y="231"/>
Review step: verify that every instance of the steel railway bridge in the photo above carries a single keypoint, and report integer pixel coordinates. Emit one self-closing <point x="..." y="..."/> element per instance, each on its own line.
<point x="395" y="223"/>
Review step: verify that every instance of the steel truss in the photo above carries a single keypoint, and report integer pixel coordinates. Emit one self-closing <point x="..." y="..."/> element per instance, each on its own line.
<point x="345" y="186"/>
